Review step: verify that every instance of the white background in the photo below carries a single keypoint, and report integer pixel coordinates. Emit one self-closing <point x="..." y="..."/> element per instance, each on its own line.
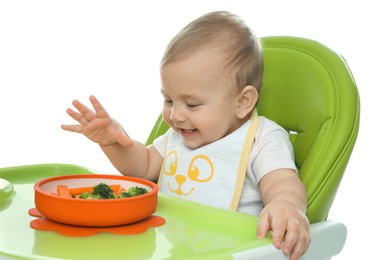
<point x="52" y="52"/>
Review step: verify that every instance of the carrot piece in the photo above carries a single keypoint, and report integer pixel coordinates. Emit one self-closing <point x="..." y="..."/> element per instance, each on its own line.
<point x="115" y="187"/>
<point x="78" y="191"/>
<point x="63" y="191"/>
<point x="120" y="191"/>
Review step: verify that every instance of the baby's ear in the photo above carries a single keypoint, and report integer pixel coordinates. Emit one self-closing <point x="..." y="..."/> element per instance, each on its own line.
<point x="246" y="101"/>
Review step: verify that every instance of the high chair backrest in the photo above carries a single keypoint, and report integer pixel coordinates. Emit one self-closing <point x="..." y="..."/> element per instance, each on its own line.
<point x="309" y="90"/>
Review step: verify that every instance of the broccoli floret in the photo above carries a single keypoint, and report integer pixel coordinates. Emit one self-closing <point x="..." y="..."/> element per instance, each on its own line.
<point x="86" y="195"/>
<point x="124" y="195"/>
<point x="135" y="191"/>
<point x="103" y="191"/>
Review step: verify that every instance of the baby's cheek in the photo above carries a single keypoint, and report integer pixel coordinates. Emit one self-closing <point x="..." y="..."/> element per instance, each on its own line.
<point x="166" y="114"/>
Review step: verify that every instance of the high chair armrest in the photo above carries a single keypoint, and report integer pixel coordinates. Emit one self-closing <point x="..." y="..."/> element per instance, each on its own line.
<point x="328" y="239"/>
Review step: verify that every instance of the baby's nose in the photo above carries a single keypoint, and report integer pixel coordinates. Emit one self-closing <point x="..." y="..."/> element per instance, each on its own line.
<point x="177" y="115"/>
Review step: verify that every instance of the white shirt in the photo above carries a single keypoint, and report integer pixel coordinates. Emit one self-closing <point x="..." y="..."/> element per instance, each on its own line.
<point x="271" y="150"/>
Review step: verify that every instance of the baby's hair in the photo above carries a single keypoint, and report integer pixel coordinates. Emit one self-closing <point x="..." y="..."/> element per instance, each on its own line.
<point x="225" y="31"/>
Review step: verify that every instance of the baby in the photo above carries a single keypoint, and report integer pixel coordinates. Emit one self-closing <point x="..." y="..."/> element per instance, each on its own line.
<point x="211" y="74"/>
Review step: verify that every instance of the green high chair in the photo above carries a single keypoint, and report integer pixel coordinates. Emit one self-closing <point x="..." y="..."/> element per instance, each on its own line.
<point x="308" y="89"/>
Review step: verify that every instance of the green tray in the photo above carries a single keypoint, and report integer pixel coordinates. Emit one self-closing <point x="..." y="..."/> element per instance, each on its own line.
<point x="191" y="230"/>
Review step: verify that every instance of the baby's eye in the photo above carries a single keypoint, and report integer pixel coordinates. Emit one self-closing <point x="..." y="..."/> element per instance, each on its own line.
<point x="168" y="102"/>
<point x="192" y="106"/>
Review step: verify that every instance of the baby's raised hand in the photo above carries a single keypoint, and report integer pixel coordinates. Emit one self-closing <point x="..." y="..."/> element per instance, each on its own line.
<point x="97" y="125"/>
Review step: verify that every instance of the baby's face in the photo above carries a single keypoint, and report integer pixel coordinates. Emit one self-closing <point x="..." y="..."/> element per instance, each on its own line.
<point x="200" y="98"/>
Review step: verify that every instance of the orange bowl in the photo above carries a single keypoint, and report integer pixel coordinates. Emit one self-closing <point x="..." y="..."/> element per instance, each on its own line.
<point x="94" y="212"/>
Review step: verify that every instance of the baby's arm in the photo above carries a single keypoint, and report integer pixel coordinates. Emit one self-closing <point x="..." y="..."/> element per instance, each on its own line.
<point x="128" y="156"/>
<point x="137" y="160"/>
<point x="284" y="197"/>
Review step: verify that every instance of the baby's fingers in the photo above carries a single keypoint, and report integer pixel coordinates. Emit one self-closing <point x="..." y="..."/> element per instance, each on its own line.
<point x="100" y="110"/>
<point x="263" y="226"/>
<point x="268" y="223"/>
<point x="297" y="238"/>
<point x="73" y="128"/>
<point x="278" y="226"/>
<point x="298" y="251"/>
<point x="77" y="116"/>
<point x="85" y="112"/>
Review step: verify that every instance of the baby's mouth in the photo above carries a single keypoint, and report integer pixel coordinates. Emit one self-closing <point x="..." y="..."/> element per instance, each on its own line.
<point x="188" y="132"/>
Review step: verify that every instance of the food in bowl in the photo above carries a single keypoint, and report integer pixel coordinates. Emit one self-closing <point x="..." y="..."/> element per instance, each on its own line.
<point x="94" y="212"/>
<point x="100" y="191"/>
